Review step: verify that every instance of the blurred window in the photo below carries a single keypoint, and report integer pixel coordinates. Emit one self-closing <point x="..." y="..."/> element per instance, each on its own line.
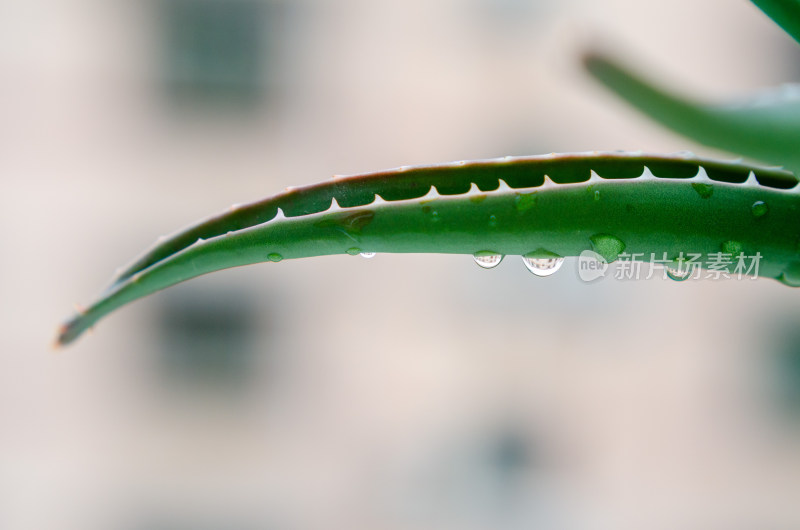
<point x="216" y="50"/>
<point x="208" y="338"/>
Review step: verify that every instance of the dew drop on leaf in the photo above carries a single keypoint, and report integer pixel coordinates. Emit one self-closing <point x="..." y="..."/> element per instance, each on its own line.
<point x="525" y="201"/>
<point x="608" y="246"/>
<point x="703" y="190"/>
<point x="487" y="260"/>
<point x="678" y="275"/>
<point x="274" y="256"/>
<point x="791" y="275"/>
<point x="543" y="266"/>
<point x="368" y="255"/>
<point x="734" y="248"/>
<point x="759" y="209"/>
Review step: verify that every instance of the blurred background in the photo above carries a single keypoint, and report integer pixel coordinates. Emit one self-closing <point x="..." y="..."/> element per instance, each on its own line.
<point x="394" y="393"/>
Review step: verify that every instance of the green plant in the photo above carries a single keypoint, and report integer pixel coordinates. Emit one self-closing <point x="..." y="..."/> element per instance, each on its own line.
<point x="541" y="207"/>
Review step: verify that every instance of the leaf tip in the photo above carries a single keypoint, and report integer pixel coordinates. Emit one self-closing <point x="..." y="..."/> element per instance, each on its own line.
<point x="593" y="61"/>
<point x="70" y="330"/>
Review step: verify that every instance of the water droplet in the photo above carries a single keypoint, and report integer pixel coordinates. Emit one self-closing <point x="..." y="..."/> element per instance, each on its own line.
<point x="367" y="255"/>
<point x="492" y="221"/>
<point x="786" y="281"/>
<point x="434" y="216"/>
<point x="679" y="275"/>
<point x="354" y="251"/>
<point x="543" y="266"/>
<point x="703" y="190"/>
<point x="274" y="256"/>
<point x="525" y="201"/>
<point x="759" y="209"/>
<point x="597" y="195"/>
<point x="791" y="275"/>
<point x="608" y="246"/>
<point x="734" y="248"/>
<point x="487" y="260"/>
<point x="350" y="222"/>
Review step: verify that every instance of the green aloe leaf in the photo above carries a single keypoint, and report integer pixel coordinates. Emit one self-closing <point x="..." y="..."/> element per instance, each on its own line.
<point x="766" y="127"/>
<point x="785" y="13"/>
<point x="541" y="207"/>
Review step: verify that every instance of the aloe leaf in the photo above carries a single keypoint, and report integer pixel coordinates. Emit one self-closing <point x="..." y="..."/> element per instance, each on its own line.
<point x="766" y="127"/>
<point x="540" y="207"/>
<point x="785" y="13"/>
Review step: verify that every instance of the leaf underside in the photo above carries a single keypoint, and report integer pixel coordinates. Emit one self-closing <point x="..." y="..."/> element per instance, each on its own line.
<point x="537" y="206"/>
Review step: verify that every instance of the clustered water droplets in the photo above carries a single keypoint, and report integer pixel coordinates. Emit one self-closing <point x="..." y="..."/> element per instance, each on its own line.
<point x="538" y="266"/>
